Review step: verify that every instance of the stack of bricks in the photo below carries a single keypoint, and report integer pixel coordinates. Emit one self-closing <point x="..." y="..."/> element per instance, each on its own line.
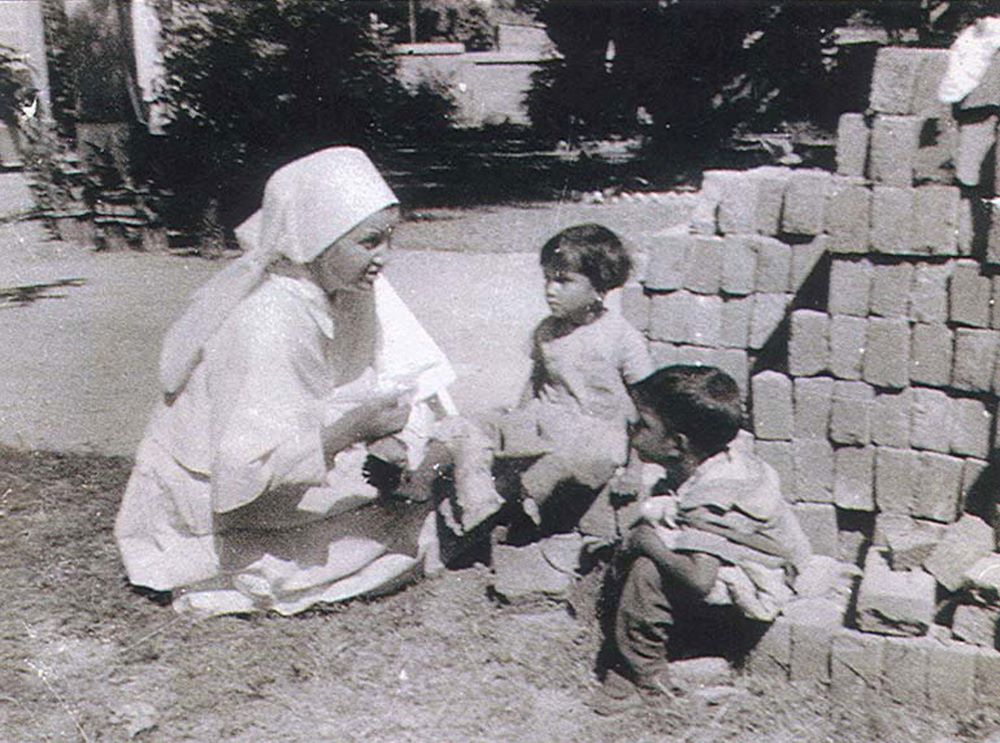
<point x="859" y="312"/>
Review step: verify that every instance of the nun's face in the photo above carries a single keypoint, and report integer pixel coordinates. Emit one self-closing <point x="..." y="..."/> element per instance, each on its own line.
<point x="354" y="261"/>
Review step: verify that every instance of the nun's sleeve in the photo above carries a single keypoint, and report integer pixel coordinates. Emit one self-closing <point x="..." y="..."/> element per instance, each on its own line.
<point x="266" y="427"/>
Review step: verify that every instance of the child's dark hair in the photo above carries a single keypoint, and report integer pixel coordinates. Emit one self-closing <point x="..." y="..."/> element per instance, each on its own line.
<point x="590" y="249"/>
<point x="702" y="402"/>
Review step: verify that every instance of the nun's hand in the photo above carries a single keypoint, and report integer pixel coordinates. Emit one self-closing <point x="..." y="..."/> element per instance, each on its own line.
<point x="381" y="416"/>
<point x="373" y="419"/>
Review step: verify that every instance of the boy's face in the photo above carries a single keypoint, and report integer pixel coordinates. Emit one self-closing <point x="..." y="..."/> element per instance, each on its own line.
<point x="656" y="440"/>
<point x="570" y="294"/>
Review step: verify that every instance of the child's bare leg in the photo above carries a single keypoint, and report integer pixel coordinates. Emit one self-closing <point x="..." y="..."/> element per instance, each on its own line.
<point x="471" y="449"/>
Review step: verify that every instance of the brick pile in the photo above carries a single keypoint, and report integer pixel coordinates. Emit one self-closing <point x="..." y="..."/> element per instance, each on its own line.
<point x="858" y="311"/>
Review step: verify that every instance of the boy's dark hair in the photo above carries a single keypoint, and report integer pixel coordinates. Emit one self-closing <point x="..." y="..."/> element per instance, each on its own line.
<point x="590" y="249"/>
<point x="702" y="402"/>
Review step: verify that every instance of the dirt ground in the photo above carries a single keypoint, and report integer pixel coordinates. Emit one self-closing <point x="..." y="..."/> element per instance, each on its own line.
<point x="84" y="658"/>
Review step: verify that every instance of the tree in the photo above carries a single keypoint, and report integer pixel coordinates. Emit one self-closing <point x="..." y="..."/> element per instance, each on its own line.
<point x="254" y="83"/>
<point x="700" y="67"/>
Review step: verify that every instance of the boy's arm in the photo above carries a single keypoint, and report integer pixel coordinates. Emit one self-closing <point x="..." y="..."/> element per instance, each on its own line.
<point x="696" y="570"/>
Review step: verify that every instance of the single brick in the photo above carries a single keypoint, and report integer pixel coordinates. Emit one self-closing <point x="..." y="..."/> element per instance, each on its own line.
<point x="931" y="421"/>
<point x="635" y="306"/>
<point x="970" y="232"/>
<point x="772" y="406"/>
<point x="703" y="272"/>
<point x="975" y="352"/>
<point x="939" y="479"/>
<point x="935" y="219"/>
<point x="904" y="671"/>
<point x="778" y="454"/>
<point x="813" y="401"/>
<point x="852" y="144"/>
<point x="805" y="202"/>
<point x="995" y="304"/>
<point x="847" y="346"/>
<point x="890" y="290"/>
<point x="964" y="542"/>
<point x="894" y="143"/>
<point x="809" y="343"/>
<point x="774" y="265"/>
<point x="969" y="295"/>
<point x="735" y="332"/>
<point x="890" y="420"/>
<point x="970" y="433"/>
<point x="976" y="624"/>
<point x="769" y="183"/>
<point x="951" y="677"/>
<point x="889" y="363"/>
<point x="682" y="317"/>
<point x="976" y="139"/>
<point x="855" y="666"/>
<point x="850" y="287"/>
<point x="894" y="80"/>
<point x="771" y="656"/>
<point x="908" y="541"/>
<point x="929" y="297"/>
<point x="934" y="162"/>
<point x="768" y="313"/>
<point x="933" y="66"/>
<point x="931" y="355"/>
<point x="751" y="202"/>
<point x="813" y="461"/>
<point x="895" y="479"/>
<point x="813" y="625"/>
<point x="991" y="217"/>
<point x="894" y="602"/>
<point x="739" y="266"/>
<point x="853" y="482"/>
<point x="852" y="544"/>
<point x="668" y="262"/>
<point x="704" y="217"/>
<point x="892" y="225"/>
<point x="850" y="419"/>
<point x="806" y="258"/>
<point x="848" y="217"/>
<point x="819" y="522"/>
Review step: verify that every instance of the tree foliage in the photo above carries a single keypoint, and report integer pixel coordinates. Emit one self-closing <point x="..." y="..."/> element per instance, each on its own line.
<point x="254" y="83"/>
<point x="699" y="67"/>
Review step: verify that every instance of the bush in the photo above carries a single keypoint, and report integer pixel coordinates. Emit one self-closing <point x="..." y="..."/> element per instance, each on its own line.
<point x="254" y="83"/>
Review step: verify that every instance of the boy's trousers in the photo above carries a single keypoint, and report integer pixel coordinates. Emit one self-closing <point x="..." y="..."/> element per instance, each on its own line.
<point x="652" y="613"/>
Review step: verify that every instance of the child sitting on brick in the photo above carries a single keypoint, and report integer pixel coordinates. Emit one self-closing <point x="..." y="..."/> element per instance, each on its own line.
<point x="570" y="426"/>
<point x="715" y="553"/>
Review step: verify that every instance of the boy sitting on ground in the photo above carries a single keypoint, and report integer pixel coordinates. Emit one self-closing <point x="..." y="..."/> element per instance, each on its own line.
<point x="715" y="553"/>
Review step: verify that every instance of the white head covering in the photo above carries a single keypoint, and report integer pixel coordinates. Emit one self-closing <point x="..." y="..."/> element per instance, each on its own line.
<point x="308" y="204"/>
